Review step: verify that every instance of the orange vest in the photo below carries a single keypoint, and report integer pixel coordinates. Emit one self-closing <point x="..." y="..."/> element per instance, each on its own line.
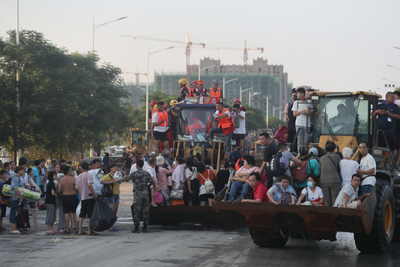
<point x="216" y="94"/>
<point x="195" y="127"/>
<point x="225" y="123"/>
<point x="162" y="115"/>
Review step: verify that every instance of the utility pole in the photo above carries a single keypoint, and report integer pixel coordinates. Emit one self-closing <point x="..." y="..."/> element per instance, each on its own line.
<point x="245" y="57"/>
<point x="17" y="155"/>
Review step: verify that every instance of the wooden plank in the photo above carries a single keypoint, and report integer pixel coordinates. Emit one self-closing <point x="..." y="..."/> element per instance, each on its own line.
<point x="219" y="156"/>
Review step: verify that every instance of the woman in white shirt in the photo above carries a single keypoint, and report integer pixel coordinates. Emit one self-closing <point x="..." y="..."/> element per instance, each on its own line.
<point x="312" y="193"/>
<point x="348" y="167"/>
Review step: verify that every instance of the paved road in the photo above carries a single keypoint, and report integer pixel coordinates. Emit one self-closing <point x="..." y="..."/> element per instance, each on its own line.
<point x="178" y="246"/>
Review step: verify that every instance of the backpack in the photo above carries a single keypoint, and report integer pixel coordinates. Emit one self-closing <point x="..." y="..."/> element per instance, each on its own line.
<point x="275" y="167"/>
<point x="299" y="173"/>
<point x="208" y="184"/>
<point x="286" y="197"/>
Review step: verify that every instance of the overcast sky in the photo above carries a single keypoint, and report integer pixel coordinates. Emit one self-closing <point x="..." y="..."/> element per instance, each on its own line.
<point x="330" y="45"/>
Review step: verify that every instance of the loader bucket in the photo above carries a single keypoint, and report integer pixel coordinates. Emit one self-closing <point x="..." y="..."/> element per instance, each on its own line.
<point x="314" y="222"/>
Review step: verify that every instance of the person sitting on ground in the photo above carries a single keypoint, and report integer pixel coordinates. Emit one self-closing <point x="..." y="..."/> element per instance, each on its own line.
<point x="312" y="192"/>
<point x="204" y="173"/>
<point x="259" y="190"/>
<point x="282" y="193"/>
<point x="347" y="197"/>
<point x="347" y="166"/>
<point x="240" y="179"/>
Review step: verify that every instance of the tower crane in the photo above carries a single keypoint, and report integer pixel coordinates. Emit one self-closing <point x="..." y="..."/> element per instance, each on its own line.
<point x="136" y="74"/>
<point x="245" y="55"/>
<point x="188" y="45"/>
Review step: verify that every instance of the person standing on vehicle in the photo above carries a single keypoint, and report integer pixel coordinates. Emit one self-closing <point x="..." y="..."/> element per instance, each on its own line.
<point x="239" y="134"/>
<point x="291" y="119"/>
<point x="141" y="205"/>
<point x="225" y="126"/>
<point x="302" y="110"/>
<point x="203" y="91"/>
<point x="367" y="169"/>
<point x="330" y="180"/>
<point x="185" y="91"/>
<point x="193" y="89"/>
<point x="387" y="114"/>
<point x="159" y="126"/>
<point x="269" y="150"/>
<point x="215" y="91"/>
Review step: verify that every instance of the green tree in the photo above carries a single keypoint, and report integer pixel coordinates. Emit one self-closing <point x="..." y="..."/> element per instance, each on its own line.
<point x="67" y="100"/>
<point x="274" y="123"/>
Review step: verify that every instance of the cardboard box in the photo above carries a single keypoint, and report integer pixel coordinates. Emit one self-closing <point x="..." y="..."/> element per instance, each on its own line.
<point x="212" y="100"/>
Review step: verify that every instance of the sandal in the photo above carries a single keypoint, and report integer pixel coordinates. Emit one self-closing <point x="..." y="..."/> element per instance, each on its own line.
<point x="67" y="231"/>
<point x="49" y="232"/>
<point x="15" y="232"/>
<point x="83" y="233"/>
<point x="113" y="229"/>
<point x="94" y="233"/>
<point x="61" y="231"/>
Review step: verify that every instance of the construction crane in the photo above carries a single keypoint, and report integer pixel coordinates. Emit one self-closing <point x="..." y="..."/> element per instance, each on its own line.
<point x="136" y="74"/>
<point x="245" y="56"/>
<point x="188" y="45"/>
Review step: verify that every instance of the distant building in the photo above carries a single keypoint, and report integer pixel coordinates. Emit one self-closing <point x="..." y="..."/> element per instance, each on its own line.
<point x="268" y="81"/>
<point x="136" y="94"/>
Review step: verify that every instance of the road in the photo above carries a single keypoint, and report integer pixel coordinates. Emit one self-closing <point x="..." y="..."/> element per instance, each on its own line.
<point x="177" y="246"/>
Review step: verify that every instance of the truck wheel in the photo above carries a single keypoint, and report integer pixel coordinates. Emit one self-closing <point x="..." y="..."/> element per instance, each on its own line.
<point x="381" y="235"/>
<point x="396" y="193"/>
<point x="268" y="242"/>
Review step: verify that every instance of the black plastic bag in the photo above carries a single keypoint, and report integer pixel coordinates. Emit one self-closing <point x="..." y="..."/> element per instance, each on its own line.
<point x="103" y="217"/>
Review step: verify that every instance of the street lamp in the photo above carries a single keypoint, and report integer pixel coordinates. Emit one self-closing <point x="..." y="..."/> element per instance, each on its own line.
<point x="223" y="84"/>
<point x="278" y="113"/>
<point x="17" y="78"/>
<point x="393" y="67"/>
<point x="147" y="82"/>
<point x="200" y="70"/>
<point x="259" y="93"/>
<point x="267" y="98"/>
<point x="242" y="91"/>
<point x="94" y="27"/>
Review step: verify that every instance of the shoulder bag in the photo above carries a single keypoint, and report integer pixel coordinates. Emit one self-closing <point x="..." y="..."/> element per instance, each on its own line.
<point x="208" y="184"/>
<point x="106" y="191"/>
<point x="337" y="168"/>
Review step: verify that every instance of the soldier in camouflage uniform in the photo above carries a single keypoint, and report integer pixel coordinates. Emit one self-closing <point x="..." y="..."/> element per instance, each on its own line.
<point x="140" y="180"/>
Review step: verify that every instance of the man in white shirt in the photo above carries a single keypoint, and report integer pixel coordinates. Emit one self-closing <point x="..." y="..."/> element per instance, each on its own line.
<point x="145" y="164"/>
<point x="367" y="169"/>
<point x="348" y="197"/>
<point x="239" y="117"/>
<point x="159" y="127"/>
<point x="302" y="110"/>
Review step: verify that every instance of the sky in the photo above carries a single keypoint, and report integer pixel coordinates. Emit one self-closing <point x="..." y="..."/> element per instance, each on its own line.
<point x="338" y="45"/>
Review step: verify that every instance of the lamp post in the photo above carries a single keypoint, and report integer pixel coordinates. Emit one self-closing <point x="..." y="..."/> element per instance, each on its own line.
<point x="224" y="83"/>
<point x="147" y="82"/>
<point x="393" y="67"/>
<point x="18" y="154"/>
<point x="267" y="99"/>
<point x="278" y="113"/>
<point x="94" y="27"/>
<point x="242" y="91"/>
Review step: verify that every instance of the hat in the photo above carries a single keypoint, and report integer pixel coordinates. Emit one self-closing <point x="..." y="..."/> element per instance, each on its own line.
<point x="200" y="82"/>
<point x="313" y="151"/>
<point x="173" y="102"/>
<point x="237" y="100"/>
<point x="215" y="82"/>
<point x="160" y="160"/>
<point x="193" y="82"/>
<point x="153" y="103"/>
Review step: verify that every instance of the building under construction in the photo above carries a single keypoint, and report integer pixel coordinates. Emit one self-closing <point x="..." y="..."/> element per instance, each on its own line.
<point x="263" y="86"/>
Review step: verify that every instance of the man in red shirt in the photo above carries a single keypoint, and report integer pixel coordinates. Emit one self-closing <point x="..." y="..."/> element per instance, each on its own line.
<point x="260" y="191"/>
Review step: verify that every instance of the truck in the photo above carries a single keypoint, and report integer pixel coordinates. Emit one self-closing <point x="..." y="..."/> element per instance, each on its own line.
<point x="374" y="225"/>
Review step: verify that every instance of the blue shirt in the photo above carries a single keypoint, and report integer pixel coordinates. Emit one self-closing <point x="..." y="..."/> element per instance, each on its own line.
<point x="169" y="161"/>
<point x="36" y="175"/>
<point x="15" y="182"/>
<point x="386" y="123"/>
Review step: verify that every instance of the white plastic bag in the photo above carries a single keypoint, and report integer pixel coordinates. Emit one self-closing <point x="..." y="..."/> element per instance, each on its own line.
<point x="78" y="209"/>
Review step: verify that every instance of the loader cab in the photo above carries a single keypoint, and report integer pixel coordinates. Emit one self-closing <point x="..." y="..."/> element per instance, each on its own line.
<point x="344" y="117"/>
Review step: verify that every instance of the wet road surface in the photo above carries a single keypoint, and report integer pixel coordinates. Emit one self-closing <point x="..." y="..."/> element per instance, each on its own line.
<point x="178" y="246"/>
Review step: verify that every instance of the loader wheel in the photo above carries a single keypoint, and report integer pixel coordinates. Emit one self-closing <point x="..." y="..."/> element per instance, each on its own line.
<point x="381" y="235"/>
<point x="396" y="193"/>
<point x="268" y="242"/>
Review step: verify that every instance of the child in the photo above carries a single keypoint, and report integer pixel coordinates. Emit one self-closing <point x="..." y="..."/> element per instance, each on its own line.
<point x="32" y="205"/>
<point x="312" y="192"/>
<point x="3" y="203"/>
<point x="51" y="196"/>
